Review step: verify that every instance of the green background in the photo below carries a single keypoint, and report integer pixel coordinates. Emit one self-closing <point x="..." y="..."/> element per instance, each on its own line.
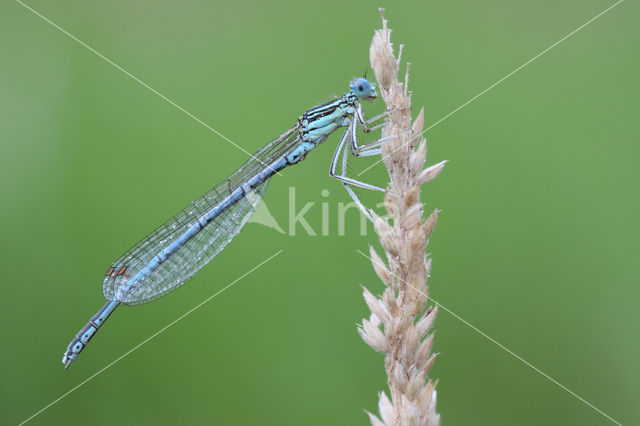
<point x="537" y="245"/>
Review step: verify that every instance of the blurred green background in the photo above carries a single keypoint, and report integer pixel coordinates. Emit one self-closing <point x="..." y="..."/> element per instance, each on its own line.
<point x="537" y="244"/>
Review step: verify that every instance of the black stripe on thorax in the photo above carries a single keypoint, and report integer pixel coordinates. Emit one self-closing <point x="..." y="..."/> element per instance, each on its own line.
<point x="322" y="110"/>
<point x="329" y="107"/>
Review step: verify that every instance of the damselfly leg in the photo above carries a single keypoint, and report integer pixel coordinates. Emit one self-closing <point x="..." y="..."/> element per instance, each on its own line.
<point x="366" y="150"/>
<point x="344" y="149"/>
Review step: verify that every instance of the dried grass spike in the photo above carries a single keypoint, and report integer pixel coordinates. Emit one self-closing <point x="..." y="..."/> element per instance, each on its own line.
<point x="400" y="326"/>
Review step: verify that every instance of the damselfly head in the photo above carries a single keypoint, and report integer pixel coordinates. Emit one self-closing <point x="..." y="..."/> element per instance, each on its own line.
<point x="363" y="89"/>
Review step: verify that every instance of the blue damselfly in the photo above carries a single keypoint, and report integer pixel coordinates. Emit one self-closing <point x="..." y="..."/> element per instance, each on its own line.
<point x="174" y="252"/>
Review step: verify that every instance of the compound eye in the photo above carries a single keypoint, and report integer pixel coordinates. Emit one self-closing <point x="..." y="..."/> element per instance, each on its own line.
<point x="361" y="87"/>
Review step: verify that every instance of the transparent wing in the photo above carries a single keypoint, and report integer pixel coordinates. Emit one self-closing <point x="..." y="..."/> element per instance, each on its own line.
<point x="205" y="245"/>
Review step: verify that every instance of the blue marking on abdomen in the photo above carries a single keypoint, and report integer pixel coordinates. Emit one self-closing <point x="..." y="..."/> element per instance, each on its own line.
<point x="79" y="342"/>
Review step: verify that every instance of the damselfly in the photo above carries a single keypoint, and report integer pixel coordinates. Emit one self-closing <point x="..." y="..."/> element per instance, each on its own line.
<point x="174" y="252"/>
